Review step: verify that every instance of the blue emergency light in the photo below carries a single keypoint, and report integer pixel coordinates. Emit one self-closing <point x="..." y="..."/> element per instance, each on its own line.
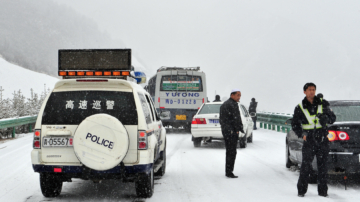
<point x="140" y="77"/>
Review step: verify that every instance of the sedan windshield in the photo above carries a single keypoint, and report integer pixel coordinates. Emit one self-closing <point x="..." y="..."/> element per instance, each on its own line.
<point x="346" y="113"/>
<point x="210" y="109"/>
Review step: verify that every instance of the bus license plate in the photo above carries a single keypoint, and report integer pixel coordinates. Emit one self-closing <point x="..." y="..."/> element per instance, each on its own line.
<point x="213" y="120"/>
<point x="181" y="117"/>
<point x="57" y="141"/>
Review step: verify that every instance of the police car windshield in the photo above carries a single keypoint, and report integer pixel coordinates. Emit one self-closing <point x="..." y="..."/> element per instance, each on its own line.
<point x="210" y="109"/>
<point x="346" y="113"/>
<point x="181" y="83"/>
<point x="71" y="108"/>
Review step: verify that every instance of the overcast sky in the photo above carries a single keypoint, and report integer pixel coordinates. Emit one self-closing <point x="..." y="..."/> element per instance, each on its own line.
<point x="268" y="49"/>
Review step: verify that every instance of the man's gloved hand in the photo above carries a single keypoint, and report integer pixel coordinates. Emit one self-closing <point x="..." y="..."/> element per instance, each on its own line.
<point x="324" y="119"/>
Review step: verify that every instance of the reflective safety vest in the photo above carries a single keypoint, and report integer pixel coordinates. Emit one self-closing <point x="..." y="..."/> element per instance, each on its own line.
<point x="314" y="122"/>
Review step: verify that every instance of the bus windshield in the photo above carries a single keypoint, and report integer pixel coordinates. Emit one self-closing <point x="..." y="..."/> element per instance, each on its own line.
<point x="181" y="83"/>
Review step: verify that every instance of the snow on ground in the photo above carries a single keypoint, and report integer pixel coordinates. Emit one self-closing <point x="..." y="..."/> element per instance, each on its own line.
<point x="14" y="78"/>
<point x="193" y="174"/>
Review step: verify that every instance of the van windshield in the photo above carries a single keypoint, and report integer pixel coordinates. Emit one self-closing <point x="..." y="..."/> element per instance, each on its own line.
<point x="181" y="83"/>
<point x="71" y="108"/>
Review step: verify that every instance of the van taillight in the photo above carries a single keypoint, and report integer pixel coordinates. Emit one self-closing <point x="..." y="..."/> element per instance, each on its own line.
<point x="337" y="135"/>
<point x="142" y="140"/>
<point x="36" y="141"/>
<point x="198" y="121"/>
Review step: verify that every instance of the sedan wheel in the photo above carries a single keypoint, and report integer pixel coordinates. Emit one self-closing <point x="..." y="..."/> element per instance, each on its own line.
<point x="243" y="142"/>
<point x="287" y="157"/>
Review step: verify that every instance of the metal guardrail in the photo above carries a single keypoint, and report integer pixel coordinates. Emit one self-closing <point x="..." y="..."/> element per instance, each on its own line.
<point x="274" y="121"/>
<point x="12" y="123"/>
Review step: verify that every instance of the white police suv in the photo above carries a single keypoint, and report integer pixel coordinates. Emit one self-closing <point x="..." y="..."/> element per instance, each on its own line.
<point x="98" y="124"/>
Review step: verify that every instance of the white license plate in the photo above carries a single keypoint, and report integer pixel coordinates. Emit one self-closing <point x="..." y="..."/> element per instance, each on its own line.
<point x="57" y="141"/>
<point x="213" y="120"/>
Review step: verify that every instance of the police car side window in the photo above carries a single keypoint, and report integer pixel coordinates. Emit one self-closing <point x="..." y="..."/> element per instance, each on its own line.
<point x="145" y="108"/>
<point x="156" y="113"/>
<point x="151" y="107"/>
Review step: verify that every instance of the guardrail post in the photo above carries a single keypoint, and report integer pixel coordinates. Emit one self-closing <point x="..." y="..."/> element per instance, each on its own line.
<point x="30" y="129"/>
<point x="13" y="132"/>
<point x="274" y="127"/>
<point x="283" y="129"/>
<point x="270" y="126"/>
<point x="287" y="130"/>
<point x="265" y="126"/>
<point x="261" y="125"/>
<point x="278" y="128"/>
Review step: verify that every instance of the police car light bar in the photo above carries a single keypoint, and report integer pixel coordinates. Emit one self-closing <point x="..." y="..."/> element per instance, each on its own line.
<point x="94" y="73"/>
<point x="95" y="60"/>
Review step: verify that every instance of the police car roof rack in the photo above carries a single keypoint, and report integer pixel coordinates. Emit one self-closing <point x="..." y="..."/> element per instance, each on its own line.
<point x="163" y="68"/>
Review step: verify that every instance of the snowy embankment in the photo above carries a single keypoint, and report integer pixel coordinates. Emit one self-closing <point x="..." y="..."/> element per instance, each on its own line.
<point x="14" y="78"/>
<point x="193" y="174"/>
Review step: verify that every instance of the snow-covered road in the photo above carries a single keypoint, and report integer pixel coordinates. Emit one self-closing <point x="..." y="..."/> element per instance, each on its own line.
<point x="193" y="174"/>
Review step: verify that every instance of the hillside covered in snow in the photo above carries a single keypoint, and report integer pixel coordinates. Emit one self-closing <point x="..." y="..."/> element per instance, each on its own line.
<point x="14" y="78"/>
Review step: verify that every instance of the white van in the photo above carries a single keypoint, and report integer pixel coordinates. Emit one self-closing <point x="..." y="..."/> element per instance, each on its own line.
<point x="96" y="125"/>
<point x="178" y="93"/>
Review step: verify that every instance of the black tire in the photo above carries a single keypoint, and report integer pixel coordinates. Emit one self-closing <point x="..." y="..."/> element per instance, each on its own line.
<point x="313" y="177"/>
<point x="243" y="142"/>
<point x="145" y="185"/>
<point x="250" y="139"/>
<point x="187" y="128"/>
<point x="197" y="141"/>
<point x="161" y="171"/>
<point x="50" y="185"/>
<point x="288" y="162"/>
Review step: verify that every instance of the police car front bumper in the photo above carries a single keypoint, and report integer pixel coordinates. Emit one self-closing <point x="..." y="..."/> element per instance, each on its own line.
<point x="343" y="161"/>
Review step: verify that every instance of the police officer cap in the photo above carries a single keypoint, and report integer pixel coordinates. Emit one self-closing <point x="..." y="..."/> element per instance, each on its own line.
<point x="235" y="90"/>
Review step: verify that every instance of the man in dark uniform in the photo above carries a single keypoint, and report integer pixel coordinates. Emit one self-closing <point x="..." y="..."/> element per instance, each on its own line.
<point x="252" y="111"/>
<point x="217" y="98"/>
<point x="231" y="125"/>
<point x="310" y="121"/>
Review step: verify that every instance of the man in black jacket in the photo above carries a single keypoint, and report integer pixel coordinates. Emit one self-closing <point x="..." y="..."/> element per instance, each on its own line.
<point x="217" y="98"/>
<point x="310" y="121"/>
<point x="252" y="111"/>
<point x="231" y="125"/>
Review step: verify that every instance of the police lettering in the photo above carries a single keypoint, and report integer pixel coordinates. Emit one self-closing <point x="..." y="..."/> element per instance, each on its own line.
<point x="96" y="139"/>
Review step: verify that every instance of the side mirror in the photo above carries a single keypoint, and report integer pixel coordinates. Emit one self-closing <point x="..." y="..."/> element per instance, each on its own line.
<point x="253" y="114"/>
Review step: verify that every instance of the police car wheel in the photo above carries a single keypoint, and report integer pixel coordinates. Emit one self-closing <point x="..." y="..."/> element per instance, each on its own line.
<point x="161" y="171"/>
<point x="50" y="185"/>
<point x="145" y="185"/>
<point x="287" y="157"/>
<point x="197" y="141"/>
<point x="243" y="142"/>
<point x="250" y="139"/>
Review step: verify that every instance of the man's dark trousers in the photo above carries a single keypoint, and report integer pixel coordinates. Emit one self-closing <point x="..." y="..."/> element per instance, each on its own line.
<point x="309" y="150"/>
<point x="230" y="144"/>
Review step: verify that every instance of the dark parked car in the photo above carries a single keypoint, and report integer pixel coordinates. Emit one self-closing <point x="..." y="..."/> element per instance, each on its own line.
<point x="344" y="137"/>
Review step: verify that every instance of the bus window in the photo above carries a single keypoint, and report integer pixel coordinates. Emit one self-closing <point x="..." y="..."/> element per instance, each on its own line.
<point x="181" y="83"/>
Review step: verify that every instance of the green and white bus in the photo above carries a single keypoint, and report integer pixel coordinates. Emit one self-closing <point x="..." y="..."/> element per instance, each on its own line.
<point x="178" y="93"/>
